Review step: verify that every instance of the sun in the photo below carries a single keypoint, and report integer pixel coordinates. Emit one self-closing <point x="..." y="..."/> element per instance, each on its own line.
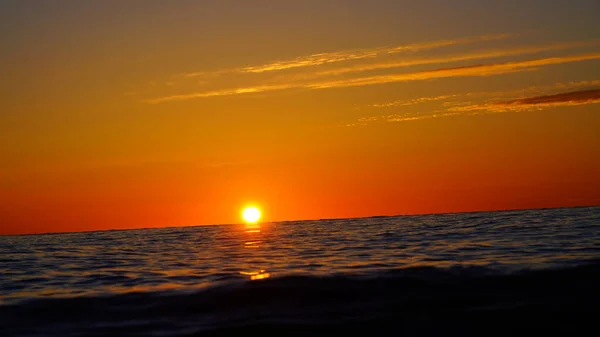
<point x="251" y="214"/>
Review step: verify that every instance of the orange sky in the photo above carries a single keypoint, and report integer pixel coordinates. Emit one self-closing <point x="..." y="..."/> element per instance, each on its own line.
<point x="149" y="114"/>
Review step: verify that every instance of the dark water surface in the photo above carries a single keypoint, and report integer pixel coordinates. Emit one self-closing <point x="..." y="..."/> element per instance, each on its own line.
<point x="514" y="272"/>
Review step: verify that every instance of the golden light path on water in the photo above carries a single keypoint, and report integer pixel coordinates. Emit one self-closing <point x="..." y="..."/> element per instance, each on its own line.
<point x="251" y="216"/>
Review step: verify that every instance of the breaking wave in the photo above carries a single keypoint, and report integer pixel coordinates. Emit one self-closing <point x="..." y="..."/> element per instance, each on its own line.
<point x="418" y="301"/>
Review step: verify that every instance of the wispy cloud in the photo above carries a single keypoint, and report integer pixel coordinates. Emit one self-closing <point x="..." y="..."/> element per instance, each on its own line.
<point x="540" y="90"/>
<point x="456" y="108"/>
<point x="333" y="57"/>
<point x="464" y="71"/>
<point x="473" y="70"/>
<point x="444" y="43"/>
<point x="449" y="100"/>
<point x="405" y="118"/>
<point x="366" y="67"/>
<point x="400" y="117"/>
<point x="535" y="103"/>
<point x="225" y="92"/>
<point x="414" y="101"/>
<point x="576" y="84"/>
<point x="454" y="58"/>
<point x="208" y="74"/>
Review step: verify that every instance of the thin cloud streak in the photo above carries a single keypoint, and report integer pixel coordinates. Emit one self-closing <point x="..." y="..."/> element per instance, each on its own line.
<point x="464" y="71"/>
<point x="209" y="74"/>
<point x="445" y="43"/>
<point x="414" y="101"/>
<point x="400" y="117"/>
<point x="226" y="92"/>
<point x="539" y="89"/>
<point x="535" y="103"/>
<point x="474" y="70"/>
<point x="456" y="58"/>
<point x="333" y="57"/>
<point x="573" y="98"/>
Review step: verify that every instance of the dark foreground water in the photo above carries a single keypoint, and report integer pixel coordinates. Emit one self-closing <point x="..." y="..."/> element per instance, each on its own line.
<point x="496" y="273"/>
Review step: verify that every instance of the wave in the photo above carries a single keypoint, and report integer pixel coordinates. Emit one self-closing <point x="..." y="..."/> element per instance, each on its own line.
<point x="419" y="301"/>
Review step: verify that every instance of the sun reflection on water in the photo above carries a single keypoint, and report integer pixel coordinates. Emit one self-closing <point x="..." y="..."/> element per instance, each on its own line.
<point x="252" y="228"/>
<point x="254" y="239"/>
<point x="252" y="244"/>
<point x="260" y="276"/>
<point x="256" y="275"/>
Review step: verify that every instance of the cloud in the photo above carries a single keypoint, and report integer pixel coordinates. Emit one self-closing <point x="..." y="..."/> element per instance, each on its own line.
<point x="464" y="71"/>
<point x="225" y="92"/>
<point x="472" y="70"/>
<point x="535" y="103"/>
<point x="447" y="98"/>
<point x="539" y="89"/>
<point x="333" y="57"/>
<point x="444" y="43"/>
<point x="454" y="58"/>
<point x="399" y="117"/>
<point x="574" y="84"/>
<point x="453" y="107"/>
<point x="414" y="101"/>
<point x="208" y="74"/>
<point x="540" y="102"/>
<point x="405" y="118"/>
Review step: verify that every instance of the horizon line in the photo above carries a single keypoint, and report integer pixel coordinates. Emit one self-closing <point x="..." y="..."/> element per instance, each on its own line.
<point x="304" y="220"/>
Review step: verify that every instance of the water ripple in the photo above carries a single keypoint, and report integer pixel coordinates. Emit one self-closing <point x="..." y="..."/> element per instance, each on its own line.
<point x="75" y="264"/>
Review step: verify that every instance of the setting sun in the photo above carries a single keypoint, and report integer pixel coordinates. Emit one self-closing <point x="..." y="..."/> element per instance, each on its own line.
<point x="251" y="214"/>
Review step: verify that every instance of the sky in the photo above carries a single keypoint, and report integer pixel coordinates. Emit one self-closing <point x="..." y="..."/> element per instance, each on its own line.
<point x="133" y="114"/>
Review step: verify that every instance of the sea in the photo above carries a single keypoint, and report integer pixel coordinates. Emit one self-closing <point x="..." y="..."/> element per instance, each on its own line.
<point x="524" y="272"/>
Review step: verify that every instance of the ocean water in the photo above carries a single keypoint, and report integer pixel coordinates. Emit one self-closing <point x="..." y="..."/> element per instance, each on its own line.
<point x="506" y="272"/>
